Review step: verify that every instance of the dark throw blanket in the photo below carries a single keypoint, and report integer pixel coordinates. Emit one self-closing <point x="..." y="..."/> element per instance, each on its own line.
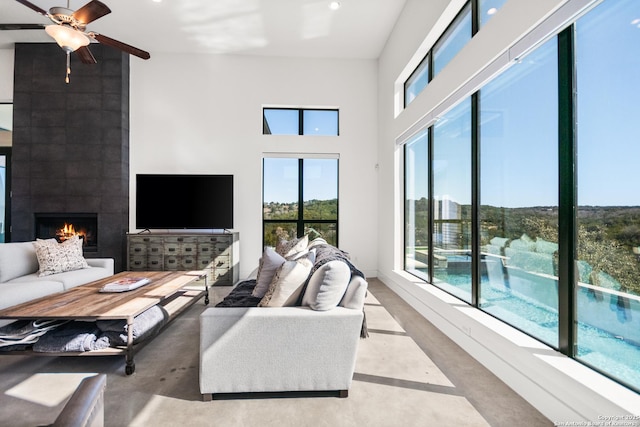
<point x="21" y="334"/>
<point x="241" y="296"/>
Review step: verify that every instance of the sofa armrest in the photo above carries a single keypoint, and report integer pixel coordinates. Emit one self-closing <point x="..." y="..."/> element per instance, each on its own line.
<point x="107" y="263"/>
<point x="276" y="349"/>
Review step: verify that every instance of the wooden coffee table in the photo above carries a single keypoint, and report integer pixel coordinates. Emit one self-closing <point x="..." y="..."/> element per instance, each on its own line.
<point x="170" y="289"/>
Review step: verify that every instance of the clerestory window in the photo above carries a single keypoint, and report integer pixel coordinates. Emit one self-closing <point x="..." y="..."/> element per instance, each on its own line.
<point x="300" y="121"/>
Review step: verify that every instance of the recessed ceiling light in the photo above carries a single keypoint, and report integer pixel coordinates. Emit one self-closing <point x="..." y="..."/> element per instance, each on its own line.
<point x="334" y="5"/>
<point x="492" y="11"/>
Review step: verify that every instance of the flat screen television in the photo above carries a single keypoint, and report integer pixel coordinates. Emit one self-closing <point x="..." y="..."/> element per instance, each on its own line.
<point x="184" y="201"/>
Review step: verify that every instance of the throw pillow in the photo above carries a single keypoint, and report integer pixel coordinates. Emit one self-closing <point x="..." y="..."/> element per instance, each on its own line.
<point x="54" y="257"/>
<point x="287" y="283"/>
<point x="327" y="286"/>
<point x="269" y="263"/>
<point x="288" y="248"/>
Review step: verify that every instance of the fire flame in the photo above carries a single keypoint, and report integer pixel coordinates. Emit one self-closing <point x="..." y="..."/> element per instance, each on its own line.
<point x="68" y="231"/>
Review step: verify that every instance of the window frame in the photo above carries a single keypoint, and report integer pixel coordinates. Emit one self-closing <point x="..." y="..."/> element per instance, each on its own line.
<point x="301" y="111"/>
<point x="301" y="221"/>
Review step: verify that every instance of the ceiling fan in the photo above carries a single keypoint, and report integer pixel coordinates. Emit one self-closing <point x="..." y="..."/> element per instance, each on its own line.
<point x="69" y="30"/>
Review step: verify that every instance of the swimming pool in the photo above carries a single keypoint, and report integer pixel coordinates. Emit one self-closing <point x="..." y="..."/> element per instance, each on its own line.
<point x="606" y="352"/>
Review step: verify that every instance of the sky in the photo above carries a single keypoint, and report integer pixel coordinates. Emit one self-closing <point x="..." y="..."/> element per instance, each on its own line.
<point x="281" y="179"/>
<point x="519" y="160"/>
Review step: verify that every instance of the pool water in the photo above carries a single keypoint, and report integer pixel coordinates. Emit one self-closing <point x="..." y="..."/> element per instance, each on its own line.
<point x="597" y="348"/>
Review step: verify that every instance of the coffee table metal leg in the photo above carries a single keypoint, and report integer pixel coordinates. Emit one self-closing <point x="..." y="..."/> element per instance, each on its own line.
<point x="206" y="290"/>
<point x="130" y="366"/>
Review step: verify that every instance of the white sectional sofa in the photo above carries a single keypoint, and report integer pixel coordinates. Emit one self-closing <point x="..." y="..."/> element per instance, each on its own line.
<point x="20" y="281"/>
<point x="306" y="342"/>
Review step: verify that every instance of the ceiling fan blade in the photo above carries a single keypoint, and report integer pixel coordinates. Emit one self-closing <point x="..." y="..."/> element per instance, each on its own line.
<point x="33" y="7"/>
<point x="119" y="45"/>
<point x="91" y="11"/>
<point x="85" y="55"/>
<point x="21" y="26"/>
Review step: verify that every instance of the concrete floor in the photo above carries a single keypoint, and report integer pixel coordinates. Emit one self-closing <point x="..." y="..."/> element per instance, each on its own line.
<point x="407" y="374"/>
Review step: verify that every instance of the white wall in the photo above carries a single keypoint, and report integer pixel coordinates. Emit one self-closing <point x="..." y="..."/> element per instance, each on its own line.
<point x="559" y="387"/>
<point x="203" y="114"/>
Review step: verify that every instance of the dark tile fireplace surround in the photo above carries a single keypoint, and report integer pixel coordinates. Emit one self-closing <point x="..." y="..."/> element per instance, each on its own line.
<point x="70" y="155"/>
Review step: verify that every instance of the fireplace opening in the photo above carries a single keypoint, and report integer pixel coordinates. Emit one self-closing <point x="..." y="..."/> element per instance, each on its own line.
<point x="62" y="226"/>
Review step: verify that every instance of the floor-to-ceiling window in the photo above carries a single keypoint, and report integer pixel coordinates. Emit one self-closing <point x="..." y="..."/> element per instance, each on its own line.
<point x="452" y="201"/>
<point x="608" y="197"/>
<point x="416" y="212"/>
<point x="519" y="194"/>
<point x="534" y="210"/>
<point x="300" y="196"/>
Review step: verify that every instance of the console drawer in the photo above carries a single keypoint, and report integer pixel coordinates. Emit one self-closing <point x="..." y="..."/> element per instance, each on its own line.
<point x="154" y="263"/>
<point x="137" y="248"/>
<point x="137" y="262"/>
<point x="188" y="263"/>
<point x="189" y="248"/>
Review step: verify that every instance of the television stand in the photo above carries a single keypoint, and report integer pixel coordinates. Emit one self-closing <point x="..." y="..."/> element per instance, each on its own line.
<point x="217" y="253"/>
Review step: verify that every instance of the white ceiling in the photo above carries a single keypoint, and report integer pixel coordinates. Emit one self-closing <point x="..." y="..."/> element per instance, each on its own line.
<point x="294" y="28"/>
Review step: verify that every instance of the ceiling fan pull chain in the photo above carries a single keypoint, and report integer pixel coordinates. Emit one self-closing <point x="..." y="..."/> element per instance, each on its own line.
<point x="66" y="79"/>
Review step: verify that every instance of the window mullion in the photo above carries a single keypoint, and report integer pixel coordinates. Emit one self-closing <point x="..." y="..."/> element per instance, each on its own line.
<point x="430" y="205"/>
<point x="301" y="122"/>
<point x="567" y="192"/>
<point x="475" y="200"/>
<point x="475" y="17"/>
<point x="300" y="227"/>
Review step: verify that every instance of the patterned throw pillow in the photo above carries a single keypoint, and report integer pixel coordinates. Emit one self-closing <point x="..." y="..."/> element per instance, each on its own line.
<point x="55" y="257"/>
<point x="287" y="283"/>
<point x="288" y="248"/>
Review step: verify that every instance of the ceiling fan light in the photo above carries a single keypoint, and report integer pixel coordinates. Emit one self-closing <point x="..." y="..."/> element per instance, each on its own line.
<point x="66" y="37"/>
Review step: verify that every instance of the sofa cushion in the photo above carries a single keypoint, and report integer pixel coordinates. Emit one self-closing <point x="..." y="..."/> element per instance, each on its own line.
<point x="68" y="279"/>
<point x="17" y="259"/>
<point x="71" y="279"/>
<point x="267" y="267"/>
<point x="287" y="283"/>
<point x="16" y="292"/>
<point x="327" y="285"/>
<point x="54" y="257"/>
